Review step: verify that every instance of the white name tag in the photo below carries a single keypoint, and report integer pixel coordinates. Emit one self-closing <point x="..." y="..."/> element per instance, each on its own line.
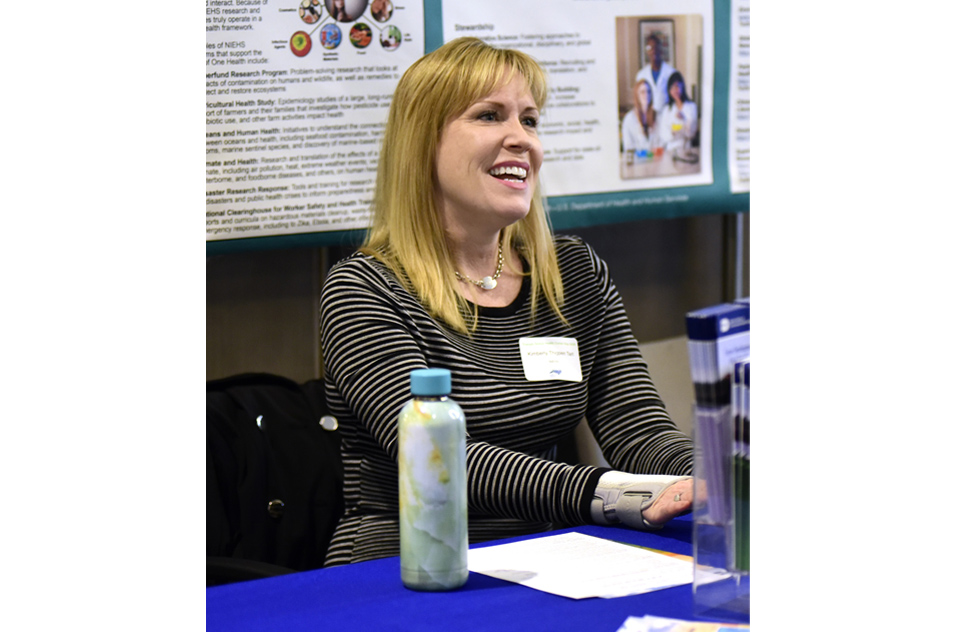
<point x="550" y="359"/>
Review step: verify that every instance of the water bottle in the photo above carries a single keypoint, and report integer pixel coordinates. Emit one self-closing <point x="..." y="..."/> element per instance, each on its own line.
<point x="432" y="490"/>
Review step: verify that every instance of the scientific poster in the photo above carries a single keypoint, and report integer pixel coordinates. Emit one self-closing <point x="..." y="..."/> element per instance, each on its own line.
<point x="738" y="127"/>
<point x="595" y="53"/>
<point x="297" y="94"/>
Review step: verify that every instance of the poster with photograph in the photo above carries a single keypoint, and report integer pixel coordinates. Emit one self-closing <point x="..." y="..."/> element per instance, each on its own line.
<point x="630" y="104"/>
<point x="297" y="94"/>
<point x="738" y="127"/>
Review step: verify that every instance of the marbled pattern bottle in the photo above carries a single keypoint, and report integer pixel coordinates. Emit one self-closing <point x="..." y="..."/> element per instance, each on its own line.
<point x="433" y="494"/>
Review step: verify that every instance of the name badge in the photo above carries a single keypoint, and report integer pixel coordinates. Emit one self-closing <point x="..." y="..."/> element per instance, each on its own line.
<point x="550" y="359"/>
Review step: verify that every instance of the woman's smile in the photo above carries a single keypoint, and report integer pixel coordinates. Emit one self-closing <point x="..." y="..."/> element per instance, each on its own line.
<point x="512" y="173"/>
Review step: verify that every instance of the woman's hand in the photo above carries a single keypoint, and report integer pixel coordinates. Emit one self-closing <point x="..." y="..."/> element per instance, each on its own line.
<point x="674" y="501"/>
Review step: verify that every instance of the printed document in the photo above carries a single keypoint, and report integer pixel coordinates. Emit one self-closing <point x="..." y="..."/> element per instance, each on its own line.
<point x="579" y="566"/>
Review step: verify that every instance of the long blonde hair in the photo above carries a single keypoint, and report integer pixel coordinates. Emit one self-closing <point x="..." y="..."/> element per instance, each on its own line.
<point x="644" y="117"/>
<point x="406" y="232"/>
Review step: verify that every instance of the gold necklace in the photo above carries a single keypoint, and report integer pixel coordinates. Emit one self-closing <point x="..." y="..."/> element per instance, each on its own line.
<point x="489" y="282"/>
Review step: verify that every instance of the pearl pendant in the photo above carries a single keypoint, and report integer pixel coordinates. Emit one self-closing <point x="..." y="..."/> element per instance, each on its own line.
<point x="488" y="283"/>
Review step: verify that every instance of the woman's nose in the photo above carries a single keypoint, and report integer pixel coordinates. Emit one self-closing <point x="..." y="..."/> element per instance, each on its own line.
<point x="518" y="135"/>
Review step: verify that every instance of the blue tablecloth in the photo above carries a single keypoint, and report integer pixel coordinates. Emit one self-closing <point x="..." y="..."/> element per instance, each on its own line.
<point x="370" y="596"/>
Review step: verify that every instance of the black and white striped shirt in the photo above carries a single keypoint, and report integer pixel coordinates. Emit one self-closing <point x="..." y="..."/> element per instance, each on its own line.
<point x="374" y="332"/>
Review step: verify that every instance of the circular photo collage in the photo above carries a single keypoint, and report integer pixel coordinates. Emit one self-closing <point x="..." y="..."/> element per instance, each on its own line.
<point x="361" y="35"/>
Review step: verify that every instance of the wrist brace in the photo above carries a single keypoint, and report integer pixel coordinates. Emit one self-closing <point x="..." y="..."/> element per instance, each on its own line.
<point x="622" y="498"/>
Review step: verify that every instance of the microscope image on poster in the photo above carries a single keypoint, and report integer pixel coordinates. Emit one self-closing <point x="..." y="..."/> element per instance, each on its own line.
<point x="365" y="21"/>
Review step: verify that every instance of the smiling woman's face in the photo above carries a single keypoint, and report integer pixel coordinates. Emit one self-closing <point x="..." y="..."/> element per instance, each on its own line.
<point x="488" y="160"/>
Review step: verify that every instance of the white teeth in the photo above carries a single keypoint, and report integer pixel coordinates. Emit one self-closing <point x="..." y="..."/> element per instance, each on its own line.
<point x="510" y="171"/>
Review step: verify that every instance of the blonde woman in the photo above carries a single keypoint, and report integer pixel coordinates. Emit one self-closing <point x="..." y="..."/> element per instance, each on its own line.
<point x="638" y="129"/>
<point x="460" y="270"/>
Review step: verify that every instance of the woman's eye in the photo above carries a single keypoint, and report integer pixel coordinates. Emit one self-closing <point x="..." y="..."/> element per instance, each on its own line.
<point x="488" y="116"/>
<point x="530" y="121"/>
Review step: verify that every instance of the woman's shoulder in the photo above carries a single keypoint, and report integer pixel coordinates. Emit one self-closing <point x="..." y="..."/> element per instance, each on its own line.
<point x="582" y="270"/>
<point x="363" y="268"/>
<point x="354" y="262"/>
<point x="566" y="242"/>
<point x="572" y="247"/>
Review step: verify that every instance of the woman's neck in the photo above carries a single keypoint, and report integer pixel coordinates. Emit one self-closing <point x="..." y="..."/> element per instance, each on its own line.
<point x="475" y="258"/>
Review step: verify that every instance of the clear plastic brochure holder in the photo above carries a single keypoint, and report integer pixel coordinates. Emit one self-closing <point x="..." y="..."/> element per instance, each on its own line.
<point x="721" y="518"/>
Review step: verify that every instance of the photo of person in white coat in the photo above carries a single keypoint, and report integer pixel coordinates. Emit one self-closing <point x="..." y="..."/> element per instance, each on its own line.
<point x="678" y="120"/>
<point x="638" y="128"/>
<point x="656" y="72"/>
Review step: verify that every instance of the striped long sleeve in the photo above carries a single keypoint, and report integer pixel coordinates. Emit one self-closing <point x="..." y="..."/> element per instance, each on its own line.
<point x="374" y="332"/>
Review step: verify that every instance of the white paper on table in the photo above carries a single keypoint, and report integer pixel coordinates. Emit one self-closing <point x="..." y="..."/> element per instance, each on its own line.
<point x="579" y="566"/>
<point x="650" y="623"/>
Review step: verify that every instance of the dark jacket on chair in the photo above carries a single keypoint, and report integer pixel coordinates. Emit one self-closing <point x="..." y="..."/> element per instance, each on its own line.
<point x="273" y="477"/>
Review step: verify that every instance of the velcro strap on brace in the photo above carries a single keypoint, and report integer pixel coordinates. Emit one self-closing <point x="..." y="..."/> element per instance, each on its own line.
<point x="621" y="494"/>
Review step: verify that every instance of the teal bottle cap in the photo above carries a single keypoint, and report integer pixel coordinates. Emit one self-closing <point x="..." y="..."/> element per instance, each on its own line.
<point x="431" y="382"/>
